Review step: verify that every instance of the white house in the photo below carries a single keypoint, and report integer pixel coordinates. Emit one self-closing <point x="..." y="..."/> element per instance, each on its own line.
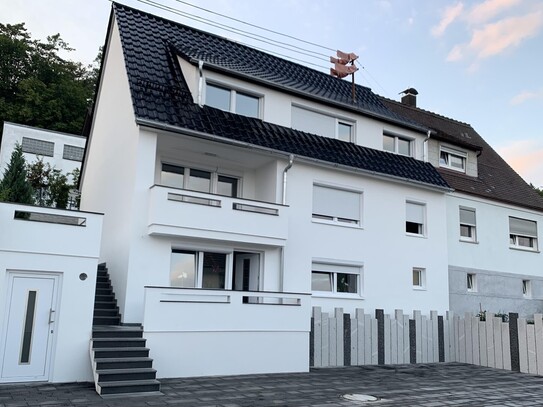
<point x="238" y="197"/>
<point x="494" y="220"/>
<point x="62" y="151"/>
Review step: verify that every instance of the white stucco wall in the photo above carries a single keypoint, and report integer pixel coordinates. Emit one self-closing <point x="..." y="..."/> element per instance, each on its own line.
<point x="64" y="251"/>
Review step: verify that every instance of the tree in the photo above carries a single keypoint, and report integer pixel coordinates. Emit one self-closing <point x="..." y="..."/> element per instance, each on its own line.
<point x="38" y="174"/>
<point x="14" y="186"/>
<point x="38" y="87"/>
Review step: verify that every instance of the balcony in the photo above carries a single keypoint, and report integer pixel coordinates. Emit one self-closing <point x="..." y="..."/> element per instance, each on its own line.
<point x="182" y="213"/>
<point x="201" y="332"/>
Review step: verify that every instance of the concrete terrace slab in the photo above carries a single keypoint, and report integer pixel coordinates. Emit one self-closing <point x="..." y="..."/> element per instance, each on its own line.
<point x="428" y="385"/>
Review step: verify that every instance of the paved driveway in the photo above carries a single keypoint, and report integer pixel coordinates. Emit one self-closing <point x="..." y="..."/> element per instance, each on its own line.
<point x="430" y="385"/>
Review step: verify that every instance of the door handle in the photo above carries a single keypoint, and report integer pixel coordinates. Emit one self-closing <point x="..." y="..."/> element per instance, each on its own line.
<point x="51" y="316"/>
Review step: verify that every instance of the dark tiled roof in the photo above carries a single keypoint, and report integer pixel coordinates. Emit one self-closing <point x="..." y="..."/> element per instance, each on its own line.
<point x="496" y="180"/>
<point x="160" y="95"/>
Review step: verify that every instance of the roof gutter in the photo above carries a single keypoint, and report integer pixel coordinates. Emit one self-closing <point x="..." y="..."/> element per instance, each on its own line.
<point x="206" y="136"/>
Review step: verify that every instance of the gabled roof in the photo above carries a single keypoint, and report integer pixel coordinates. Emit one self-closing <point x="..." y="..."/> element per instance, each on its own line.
<point x="496" y="180"/>
<point x="161" y="96"/>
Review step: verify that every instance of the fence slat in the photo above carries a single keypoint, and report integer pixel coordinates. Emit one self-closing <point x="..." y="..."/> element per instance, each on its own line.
<point x="325" y="340"/>
<point x="475" y="340"/>
<point x="462" y="340"/>
<point x="532" y="361"/>
<point x="332" y="340"/>
<point x="522" y="345"/>
<point x="340" y="345"/>
<point x="469" y="338"/>
<point x="538" y="324"/>
<point x="317" y="341"/>
<point x="490" y="342"/>
<point x="361" y="342"/>
<point x="418" y="335"/>
<point x="374" y="350"/>
<point x="435" y="336"/>
<point x="506" y="347"/>
<point x="498" y="346"/>
<point x="398" y="317"/>
<point x="387" y="340"/>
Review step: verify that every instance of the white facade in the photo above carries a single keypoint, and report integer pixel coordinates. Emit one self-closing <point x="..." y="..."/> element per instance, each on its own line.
<point x="148" y="222"/>
<point x="60" y="150"/>
<point x="48" y="263"/>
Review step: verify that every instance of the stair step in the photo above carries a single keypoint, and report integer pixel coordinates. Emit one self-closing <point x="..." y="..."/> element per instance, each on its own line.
<point x="105" y="312"/>
<point x="104" y="291"/>
<point x="103" y="353"/>
<point x="105" y="304"/>
<point x="116" y="375"/>
<point x="122" y="363"/>
<point x="106" y="320"/>
<point x="120" y="331"/>
<point x="103" y="284"/>
<point x="118" y="343"/>
<point x="104" y="298"/>
<point x="127" y="386"/>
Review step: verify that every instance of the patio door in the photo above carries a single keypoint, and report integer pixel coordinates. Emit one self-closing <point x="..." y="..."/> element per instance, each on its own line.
<point x="28" y="333"/>
<point x="246" y="271"/>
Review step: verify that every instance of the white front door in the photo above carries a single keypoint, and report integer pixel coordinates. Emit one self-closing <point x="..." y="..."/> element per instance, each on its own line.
<point x="30" y="327"/>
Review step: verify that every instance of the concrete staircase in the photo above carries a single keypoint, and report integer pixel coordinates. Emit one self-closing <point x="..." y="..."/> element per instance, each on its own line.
<point x="120" y="361"/>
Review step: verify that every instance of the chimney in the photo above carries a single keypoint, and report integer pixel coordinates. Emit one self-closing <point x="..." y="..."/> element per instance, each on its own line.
<point x="409" y="97"/>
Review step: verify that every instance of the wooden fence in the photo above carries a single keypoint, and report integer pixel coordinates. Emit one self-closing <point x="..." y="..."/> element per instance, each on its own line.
<point x="363" y="339"/>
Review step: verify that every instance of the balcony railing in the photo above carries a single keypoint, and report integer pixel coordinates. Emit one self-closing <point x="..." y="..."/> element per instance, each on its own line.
<point x="175" y="309"/>
<point x="178" y="212"/>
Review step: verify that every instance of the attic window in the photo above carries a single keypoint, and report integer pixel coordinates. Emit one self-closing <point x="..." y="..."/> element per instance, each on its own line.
<point x="453" y="160"/>
<point x="232" y="100"/>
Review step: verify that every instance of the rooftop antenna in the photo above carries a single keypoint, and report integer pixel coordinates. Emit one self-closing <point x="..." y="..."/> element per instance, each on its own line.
<point x="341" y="69"/>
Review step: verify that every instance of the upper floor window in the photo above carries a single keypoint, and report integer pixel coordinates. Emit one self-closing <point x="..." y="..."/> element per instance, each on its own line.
<point x="336" y="279"/>
<point x="419" y="278"/>
<point x="468" y="224"/>
<point x="451" y="159"/>
<point x="38" y="147"/>
<point x="322" y="124"/>
<point x="414" y="218"/>
<point x="522" y="233"/>
<point x="232" y="100"/>
<point x="73" y="153"/>
<point x="336" y="205"/>
<point x="198" y="180"/>
<point x="396" y="144"/>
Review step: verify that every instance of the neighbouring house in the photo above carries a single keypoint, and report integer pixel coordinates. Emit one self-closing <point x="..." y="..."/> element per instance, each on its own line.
<point x="62" y="151"/>
<point x="48" y="267"/>
<point x="494" y="220"/>
<point x="240" y="189"/>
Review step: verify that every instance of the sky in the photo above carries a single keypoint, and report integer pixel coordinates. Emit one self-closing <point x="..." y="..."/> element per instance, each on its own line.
<point x="479" y="62"/>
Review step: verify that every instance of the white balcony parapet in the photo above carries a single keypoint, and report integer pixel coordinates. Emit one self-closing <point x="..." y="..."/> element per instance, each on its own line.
<point x="178" y="212"/>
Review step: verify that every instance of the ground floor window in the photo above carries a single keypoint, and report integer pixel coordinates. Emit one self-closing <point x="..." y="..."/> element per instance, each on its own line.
<point x="419" y="278"/>
<point x="336" y="279"/>
<point x="206" y="269"/>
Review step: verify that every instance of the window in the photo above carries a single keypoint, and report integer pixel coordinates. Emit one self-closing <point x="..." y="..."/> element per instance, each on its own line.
<point x="527" y="288"/>
<point x="72" y="153"/>
<point x="198" y="180"/>
<point x="419" y="278"/>
<point x="522" y="234"/>
<point x="453" y="160"/>
<point x="471" y="282"/>
<point x="191" y="269"/>
<point x="336" y="279"/>
<point x="38" y="147"/>
<point x="414" y="218"/>
<point x="467" y="224"/>
<point x="396" y="144"/>
<point x="321" y="124"/>
<point x="336" y="205"/>
<point x="232" y="101"/>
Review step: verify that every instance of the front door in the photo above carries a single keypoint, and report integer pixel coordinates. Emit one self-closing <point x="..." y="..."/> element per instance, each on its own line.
<point x="29" y="330"/>
<point x="246" y="271"/>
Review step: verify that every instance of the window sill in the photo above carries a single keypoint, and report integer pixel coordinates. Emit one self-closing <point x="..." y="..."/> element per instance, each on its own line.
<point x="415" y="288"/>
<point x="415" y="235"/>
<point x="524" y="249"/>
<point x="472" y="291"/>
<point x="333" y="223"/>
<point x="469" y="241"/>
<point x="337" y="296"/>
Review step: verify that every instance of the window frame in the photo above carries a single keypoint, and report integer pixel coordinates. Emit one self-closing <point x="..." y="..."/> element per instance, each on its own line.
<point x="397" y="138"/>
<point x="337" y="220"/>
<point x="214" y="179"/>
<point x="334" y="269"/>
<point x="423" y="225"/>
<point x="332" y="121"/>
<point x="472" y="227"/>
<point x="453" y="153"/>
<point x="527" y="288"/>
<point x="421" y="276"/>
<point x="234" y="91"/>
<point x="471" y="282"/>
<point x="515" y="238"/>
<point x="199" y="272"/>
<point x="351" y="125"/>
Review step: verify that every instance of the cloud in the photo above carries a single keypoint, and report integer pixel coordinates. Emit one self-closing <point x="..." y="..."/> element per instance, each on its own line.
<point x="526" y="95"/>
<point x="485" y="11"/>
<point x="493" y="39"/>
<point x="526" y="158"/>
<point x="450" y="14"/>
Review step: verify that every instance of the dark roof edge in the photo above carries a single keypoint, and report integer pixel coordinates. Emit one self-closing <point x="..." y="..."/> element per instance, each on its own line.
<point x="306" y="95"/>
<point x="207" y="136"/>
<point x="501" y="201"/>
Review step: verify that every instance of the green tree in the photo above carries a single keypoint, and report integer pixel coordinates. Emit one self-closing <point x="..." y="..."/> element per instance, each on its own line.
<point x="38" y="87"/>
<point x="38" y="174"/>
<point x="59" y="189"/>
<point x="14" y="186"/>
